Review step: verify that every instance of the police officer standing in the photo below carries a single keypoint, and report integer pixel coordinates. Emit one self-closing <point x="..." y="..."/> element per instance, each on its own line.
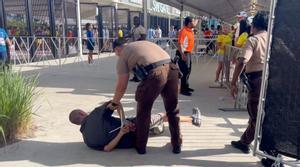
<point x="159" y="77"/>
<point x="252" y="59"/>
<point x="185" y="48"/>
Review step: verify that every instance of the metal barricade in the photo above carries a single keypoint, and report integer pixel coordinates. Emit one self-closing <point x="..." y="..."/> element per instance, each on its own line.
<point x="203" y="46"/>
<point x="240" y="103"/>
<point x="54" y="51"/>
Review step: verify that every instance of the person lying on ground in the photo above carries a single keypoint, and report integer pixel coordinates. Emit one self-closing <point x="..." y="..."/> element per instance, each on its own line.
<point x="100" y="129"/>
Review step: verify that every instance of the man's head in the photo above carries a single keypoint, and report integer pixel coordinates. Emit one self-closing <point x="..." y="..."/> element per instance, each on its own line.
<point x="136" y="21"/>
<point x="118" y="46"/>
<point x="190" y="22"/>
<point x="88" y="26"/>
<point x="77" y="116"/>
<point x="260" y="22"/>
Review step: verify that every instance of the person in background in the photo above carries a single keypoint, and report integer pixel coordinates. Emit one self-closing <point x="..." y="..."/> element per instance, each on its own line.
<point x="208" y="35"/>
<point x="150" y="33"/>
<point x="173" y="32"/>
<point x="138" y="33"/>
<point x="239" y="17"/>
<point x="243" y="35"/>
<point x="241" y="40"/>
<point x="185" y="47"/>
<point x="4" y="41"/>
<point x="120" y="33"/>
<point x="90" y="42"/>
<point x="223" y="39"/>
<point x="158" y="32"/>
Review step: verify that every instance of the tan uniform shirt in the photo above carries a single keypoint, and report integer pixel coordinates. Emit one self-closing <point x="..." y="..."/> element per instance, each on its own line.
<point x="254" y="52"/>
<point x="137" y="32"/>
<point x="139" y="52"/>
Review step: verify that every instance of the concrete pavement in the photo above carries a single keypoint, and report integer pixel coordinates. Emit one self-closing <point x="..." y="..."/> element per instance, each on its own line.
<point x="56" y="142"/>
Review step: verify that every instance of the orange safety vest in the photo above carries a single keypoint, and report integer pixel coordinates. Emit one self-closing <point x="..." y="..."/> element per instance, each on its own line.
<point x="186" y="39"/>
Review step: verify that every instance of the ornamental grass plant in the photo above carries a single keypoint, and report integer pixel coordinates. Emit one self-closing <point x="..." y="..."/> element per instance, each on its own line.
<point x="17" y="94"/>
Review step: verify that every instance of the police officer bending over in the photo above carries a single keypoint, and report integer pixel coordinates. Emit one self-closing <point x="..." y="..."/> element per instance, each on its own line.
<point x="159" y="77"/>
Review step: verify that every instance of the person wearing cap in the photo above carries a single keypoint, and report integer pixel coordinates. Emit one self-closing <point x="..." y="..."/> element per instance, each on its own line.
<point x="185" y="47"/>
<point x="159" y="77"/>
<point x="252" y="60"/>
<point x="240" y="16"/>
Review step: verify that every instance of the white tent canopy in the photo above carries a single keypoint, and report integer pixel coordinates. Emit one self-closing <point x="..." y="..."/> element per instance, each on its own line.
<point x="225" y="10"/>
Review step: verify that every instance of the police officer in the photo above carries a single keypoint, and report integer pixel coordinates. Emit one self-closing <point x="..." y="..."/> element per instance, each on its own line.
<point x="252" y="59"/>
<point x="159" y="77"/>
<point x="185" y="48"/>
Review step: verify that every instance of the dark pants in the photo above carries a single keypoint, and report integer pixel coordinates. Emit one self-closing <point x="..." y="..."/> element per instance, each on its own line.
<point x="162" y="81"/>
<point x="185" y="68"/>
<point x="252" y="107"/>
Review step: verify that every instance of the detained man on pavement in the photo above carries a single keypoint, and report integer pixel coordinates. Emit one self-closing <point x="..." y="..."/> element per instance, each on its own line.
<point x="159" y="77"/>
<point x="104" y="132"/>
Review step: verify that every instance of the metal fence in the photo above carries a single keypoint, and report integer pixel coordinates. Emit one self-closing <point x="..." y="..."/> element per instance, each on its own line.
<point x="57" y="49"/>
<point x="240" y="103"/>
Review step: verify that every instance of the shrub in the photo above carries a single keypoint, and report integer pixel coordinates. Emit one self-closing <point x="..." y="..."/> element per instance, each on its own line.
<point x="17" y="94"/>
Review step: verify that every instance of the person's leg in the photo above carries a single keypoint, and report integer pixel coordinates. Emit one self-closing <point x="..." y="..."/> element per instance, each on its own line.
<point x="146" y="93"/>
<point x="252" y="106"/>
<point x="189" y="62"/>
<point x="170" y="98"/>
<point x="218" y="71"/>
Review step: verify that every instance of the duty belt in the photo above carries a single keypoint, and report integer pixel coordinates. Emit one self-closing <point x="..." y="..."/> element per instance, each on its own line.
<point x="157" y="64"/>
<point x="254" y="75"/>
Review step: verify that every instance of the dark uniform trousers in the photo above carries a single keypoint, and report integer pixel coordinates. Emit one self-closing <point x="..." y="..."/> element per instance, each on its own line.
<point x="163" y="81"/>
<point x="252" y="107"/>
<point x="185" y="68"/>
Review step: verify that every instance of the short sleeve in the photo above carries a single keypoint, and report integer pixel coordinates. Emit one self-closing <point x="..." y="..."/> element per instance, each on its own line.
<point x="122" y="67"/>
<point x="247" y="51"/>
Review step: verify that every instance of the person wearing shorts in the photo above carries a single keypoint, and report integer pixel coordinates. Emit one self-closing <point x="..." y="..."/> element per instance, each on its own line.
<point x="223" y="39"/>
<point x="90" y="42"/>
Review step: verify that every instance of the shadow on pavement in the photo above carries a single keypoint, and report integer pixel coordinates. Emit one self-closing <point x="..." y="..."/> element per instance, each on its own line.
<point x="54" y="154"/>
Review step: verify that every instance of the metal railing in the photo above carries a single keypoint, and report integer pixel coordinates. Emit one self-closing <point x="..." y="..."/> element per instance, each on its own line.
<point x="240" y="102"/>
<point x="203" y="46"/>
<point x="56" y="49"/>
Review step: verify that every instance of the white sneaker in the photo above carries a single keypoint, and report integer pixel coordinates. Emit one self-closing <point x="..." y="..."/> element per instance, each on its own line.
<point x="158" y="129"/>
<point x="196" y="117"/>
<point x="215" y="84"/>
